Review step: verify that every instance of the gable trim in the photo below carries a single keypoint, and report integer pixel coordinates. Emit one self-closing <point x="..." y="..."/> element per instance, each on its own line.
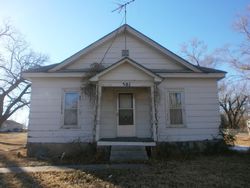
<point x="163" y="49"/>
<point x="131" y="62"/>
<point x="134" y="32"/>
<point x="85" y="50"/>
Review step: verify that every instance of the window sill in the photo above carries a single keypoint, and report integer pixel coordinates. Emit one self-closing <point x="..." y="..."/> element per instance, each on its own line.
<point x="177" y="126"/>
<point x="70" y="127"/>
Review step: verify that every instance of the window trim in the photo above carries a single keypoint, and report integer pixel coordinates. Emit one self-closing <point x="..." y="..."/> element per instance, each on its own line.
<point x="175" y="90"/>
<point x="64" y="92"/>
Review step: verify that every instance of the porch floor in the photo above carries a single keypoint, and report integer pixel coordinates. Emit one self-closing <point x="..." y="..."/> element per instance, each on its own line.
<point x="126" y="141"/>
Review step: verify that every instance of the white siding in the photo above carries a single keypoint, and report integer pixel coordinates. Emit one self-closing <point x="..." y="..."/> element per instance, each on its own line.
<point x="45" y="124"/>
<point x="201" y="110"/>
<point x="143" y="113"/>
<point x="126" y="71"/>
<point x="138" y="51"/>
<point x="108" y="114"/>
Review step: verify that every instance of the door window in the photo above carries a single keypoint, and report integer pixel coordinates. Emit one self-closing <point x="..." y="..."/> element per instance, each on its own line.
<point x="126" y="111"/>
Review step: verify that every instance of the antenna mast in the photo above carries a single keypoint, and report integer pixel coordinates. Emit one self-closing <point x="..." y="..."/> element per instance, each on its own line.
<point x="123" y="6"/>
<point x="119" y="9"/>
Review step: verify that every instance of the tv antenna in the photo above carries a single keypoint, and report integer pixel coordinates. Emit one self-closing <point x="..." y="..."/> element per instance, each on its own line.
<point x="121" y="7"/>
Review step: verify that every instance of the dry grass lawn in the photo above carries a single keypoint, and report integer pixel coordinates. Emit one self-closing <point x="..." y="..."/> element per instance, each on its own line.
<point x="210" y="171"/>
<point x="242" y="139"/>
<point x="12" y="141"/>
<point x="198" y="171"/>
<point x="13" y="151"/>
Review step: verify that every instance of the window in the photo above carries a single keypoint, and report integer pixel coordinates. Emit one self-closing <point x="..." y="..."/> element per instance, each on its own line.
<point x="126" y="111"/>
<point x="71" y="100"/>
<point x="175" y="99"/>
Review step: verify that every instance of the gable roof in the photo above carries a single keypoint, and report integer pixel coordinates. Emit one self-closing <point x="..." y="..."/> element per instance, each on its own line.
<point x="58" y="68"/>
<point x="133" y="32"/>
<point x="156" y="77"/>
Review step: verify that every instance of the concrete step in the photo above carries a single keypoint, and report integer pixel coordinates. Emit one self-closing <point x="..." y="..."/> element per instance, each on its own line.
<point x="128" y="153"/>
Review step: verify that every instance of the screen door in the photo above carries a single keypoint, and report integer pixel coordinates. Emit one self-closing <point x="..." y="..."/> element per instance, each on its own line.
<point x="126" y="120"/>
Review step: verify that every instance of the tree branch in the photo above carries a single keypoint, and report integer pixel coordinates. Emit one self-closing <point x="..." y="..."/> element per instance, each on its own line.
<point x="16" y="100"/>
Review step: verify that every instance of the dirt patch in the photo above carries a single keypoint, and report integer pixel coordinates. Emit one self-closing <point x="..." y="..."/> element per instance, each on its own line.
<point x="242" y="139"/>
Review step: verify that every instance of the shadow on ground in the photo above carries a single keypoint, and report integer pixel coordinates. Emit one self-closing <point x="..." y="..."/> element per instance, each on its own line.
<point x="17" y="180"/>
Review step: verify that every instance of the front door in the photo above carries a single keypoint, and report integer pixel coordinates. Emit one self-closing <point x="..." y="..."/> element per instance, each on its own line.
<point x="126" y="120"/>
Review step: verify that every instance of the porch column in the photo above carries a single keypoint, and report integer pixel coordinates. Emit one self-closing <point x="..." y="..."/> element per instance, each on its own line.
<point x="153" y="112"/>
<point x="98" y="115"/>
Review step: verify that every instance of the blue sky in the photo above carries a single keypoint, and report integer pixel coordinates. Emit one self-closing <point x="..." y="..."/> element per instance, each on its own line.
<point x="60" y="28"/>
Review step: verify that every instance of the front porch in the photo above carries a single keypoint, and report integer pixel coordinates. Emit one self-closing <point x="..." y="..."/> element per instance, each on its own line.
<point x="125" y="113"/>
<point x="126" y="141"/>
<point x="130" y="126"/>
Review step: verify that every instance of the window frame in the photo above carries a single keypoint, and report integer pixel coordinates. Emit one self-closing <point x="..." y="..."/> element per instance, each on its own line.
<point x="168" y="108"/>
<point x="64" y="92"/>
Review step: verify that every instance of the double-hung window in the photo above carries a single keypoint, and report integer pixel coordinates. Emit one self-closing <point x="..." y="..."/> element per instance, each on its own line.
<point x="175" y="103"/>
<point x="70" y="109"/>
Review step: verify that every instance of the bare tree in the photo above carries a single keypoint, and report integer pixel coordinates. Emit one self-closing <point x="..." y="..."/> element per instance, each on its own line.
<point x="233" y="103"/>
<point x="196" y="52"/>
<point x="15" y="57"/>
<point x="239" y="56"/>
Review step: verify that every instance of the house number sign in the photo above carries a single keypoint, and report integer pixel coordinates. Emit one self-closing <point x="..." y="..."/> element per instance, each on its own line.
<point x="126" y="84"/>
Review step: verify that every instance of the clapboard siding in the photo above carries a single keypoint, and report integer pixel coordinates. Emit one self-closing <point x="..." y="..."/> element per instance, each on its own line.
<point x="108" y="114"/>
<point x="46" y="116"/>
<point x="183" y="138"/>
<point x="138" y="50"/>
<point x="142" y="114"/>
<point x="201" y="110"/>
<point x="66" y="138"/>
<point x="125" y="71"/>
<point x="187" y="131"/>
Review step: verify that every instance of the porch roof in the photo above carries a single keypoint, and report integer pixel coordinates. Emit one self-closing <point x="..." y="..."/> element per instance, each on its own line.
<point x="133" y="63"/>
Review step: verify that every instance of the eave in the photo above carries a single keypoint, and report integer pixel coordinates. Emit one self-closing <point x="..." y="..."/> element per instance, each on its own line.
<point x="29" y="76"/>
<point x="192" y="75"/>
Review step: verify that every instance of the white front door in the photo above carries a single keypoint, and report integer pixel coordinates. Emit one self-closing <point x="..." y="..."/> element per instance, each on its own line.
<point x="126" y="119"/>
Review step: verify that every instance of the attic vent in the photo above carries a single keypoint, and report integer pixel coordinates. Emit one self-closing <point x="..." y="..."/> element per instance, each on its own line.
<point x="125" y="53"/>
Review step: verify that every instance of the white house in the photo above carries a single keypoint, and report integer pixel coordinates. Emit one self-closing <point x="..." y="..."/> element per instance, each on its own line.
<point x="145" y="94"/>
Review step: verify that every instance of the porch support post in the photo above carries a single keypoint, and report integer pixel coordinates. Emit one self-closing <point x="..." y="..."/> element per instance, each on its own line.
<point x="152" y="89"/>
<point x="98" y="115"/>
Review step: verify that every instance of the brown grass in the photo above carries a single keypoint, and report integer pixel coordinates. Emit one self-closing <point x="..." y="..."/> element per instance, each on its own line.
<point x="242" y="139"/>
<point x="213" y="171"/>
<point x="13" y="151"/>
<point x="12" y="141"/>
<point x="200" y="171"/>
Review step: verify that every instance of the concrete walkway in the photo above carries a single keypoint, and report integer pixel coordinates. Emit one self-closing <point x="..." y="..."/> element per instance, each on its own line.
<point x="70" y="168"/>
